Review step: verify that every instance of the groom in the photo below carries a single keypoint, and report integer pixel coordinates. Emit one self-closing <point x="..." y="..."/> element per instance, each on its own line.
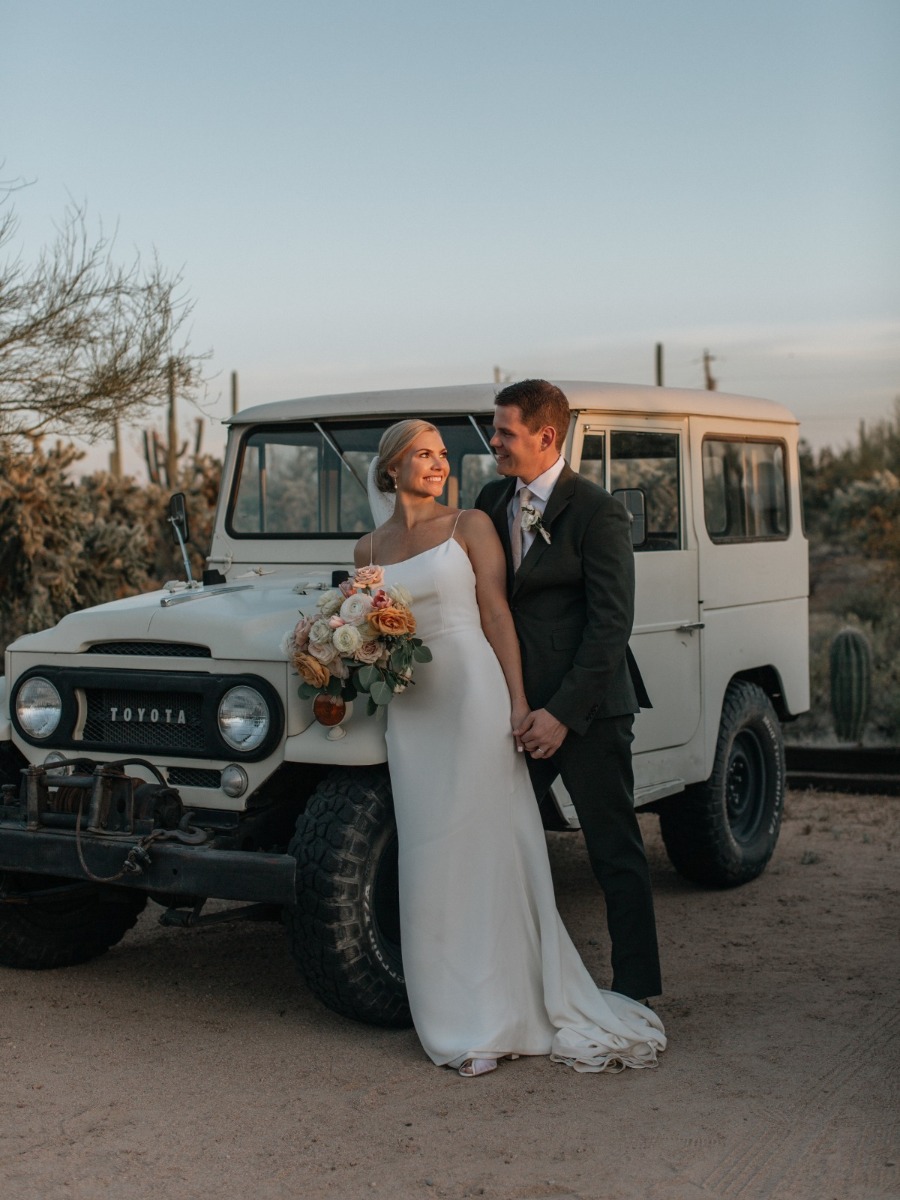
<point x="571" y="590"/>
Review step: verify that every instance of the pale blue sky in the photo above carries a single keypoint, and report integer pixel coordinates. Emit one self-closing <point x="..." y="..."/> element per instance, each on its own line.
<point x="370" y="194"/>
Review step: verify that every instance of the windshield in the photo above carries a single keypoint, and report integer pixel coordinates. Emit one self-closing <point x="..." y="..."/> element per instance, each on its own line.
<point x="309" y="478"/>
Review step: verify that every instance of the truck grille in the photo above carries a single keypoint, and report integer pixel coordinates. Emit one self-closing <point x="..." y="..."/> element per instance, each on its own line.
<point x="147" y="649"/>
<point x="147" y="721"/>
<point x="149" y="713"/>
<point x="193" y="777"/>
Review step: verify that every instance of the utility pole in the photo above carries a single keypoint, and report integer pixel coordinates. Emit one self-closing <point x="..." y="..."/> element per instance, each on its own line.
<point x="115" y="458"/>
<point x="659" y="364"/>
<point x="708" y="359"/>
<point x="234" y="392"/>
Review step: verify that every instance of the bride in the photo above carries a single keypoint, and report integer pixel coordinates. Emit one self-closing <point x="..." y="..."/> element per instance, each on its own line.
<point x="490" y="969"/>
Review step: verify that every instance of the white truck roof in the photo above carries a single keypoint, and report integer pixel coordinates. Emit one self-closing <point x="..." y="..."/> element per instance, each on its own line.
<point x="479" y="397"/>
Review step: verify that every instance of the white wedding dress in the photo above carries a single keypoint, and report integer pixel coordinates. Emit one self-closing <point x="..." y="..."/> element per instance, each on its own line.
<point x="489" y="966"/>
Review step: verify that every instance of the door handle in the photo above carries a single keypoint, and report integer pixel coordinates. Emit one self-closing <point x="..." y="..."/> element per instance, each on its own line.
<point x="691" y="626"/>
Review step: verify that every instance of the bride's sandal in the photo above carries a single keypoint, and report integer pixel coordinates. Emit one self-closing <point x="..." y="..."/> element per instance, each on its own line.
<point x="477" y="1066"/>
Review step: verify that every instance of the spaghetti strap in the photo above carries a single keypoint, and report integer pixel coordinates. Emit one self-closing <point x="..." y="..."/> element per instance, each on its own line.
<point x="455" y="523"/>
<point x="372" y="548"/>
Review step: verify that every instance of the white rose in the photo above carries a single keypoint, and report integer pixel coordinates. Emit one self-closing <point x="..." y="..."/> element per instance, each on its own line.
<point x="321" y="632"/>
<point x="355" y="608"/>
<point x="400" y="595"/>
<point x="330" y="602"/>
<point x="347" y="639"/>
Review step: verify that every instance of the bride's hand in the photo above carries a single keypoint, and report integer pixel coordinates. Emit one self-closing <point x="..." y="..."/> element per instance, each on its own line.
<point x="517" y="718"/>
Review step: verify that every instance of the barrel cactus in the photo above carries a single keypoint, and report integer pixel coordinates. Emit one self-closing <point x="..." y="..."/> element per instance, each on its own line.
<point x="851" y="684"/>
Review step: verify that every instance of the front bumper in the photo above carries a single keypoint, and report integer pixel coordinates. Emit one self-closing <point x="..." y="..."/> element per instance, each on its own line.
<point x="107" y="827"/>
<point x="172" y="869"/>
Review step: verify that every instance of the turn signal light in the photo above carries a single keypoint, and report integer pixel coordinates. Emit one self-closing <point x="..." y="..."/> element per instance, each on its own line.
<point x="329" y="710"/>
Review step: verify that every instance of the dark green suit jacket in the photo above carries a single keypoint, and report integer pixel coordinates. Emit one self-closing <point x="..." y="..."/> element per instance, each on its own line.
<point x="573" y="602"/>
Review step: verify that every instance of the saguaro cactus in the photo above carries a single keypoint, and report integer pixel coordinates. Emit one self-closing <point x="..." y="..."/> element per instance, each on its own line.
<point x="851" y="683"/>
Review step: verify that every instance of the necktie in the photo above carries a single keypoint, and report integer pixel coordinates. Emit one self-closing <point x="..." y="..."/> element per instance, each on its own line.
<point x="518" y="537"/>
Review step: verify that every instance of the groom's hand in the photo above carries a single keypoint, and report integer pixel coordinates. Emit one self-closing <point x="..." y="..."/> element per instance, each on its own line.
<point x="541" y="734"/>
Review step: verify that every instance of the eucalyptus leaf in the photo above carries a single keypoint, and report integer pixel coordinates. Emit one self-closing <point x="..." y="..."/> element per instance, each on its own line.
<point x="381" y="693"/>
<point x="422" y="654"/>
<point x="400" y="658"/>
<point x="366" y="676"/>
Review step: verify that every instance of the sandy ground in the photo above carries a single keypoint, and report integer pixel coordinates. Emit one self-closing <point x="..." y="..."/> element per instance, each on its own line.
<point x="194" y="1064"/>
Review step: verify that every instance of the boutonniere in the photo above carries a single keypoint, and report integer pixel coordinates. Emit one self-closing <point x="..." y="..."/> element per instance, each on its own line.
<point x="532" y="520"/>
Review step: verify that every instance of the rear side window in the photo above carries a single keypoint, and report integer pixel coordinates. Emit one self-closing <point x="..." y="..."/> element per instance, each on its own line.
<point x="744" y="490"/>
<point x="649" y="462"/>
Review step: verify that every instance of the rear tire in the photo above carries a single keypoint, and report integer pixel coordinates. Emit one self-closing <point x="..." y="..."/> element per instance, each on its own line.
<point x="74" y="925"/>
<point x="723" y="832"/>
<point x="345" y="927"/>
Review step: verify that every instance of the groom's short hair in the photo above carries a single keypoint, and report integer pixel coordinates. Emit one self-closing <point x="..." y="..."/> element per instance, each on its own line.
<point x="540" y="403"/>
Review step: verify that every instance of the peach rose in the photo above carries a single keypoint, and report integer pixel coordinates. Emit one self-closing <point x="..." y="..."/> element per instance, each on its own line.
<point x="323" y="652"/>
<point x="368" y="652"/>
<point x="392" y="621"/>
<point x="301" y="633"/>
<point x="314" y="673"/>
<point x="371" y="576"/>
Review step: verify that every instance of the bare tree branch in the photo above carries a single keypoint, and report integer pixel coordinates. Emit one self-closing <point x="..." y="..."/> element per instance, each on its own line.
<point x="85" y="341"/>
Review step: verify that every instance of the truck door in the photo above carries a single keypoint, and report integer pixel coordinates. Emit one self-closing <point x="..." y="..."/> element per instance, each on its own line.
<point x="667" y="634"/>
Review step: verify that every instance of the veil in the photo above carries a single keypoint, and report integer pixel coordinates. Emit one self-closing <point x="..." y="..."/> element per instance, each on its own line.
<point x="381" y="503"/>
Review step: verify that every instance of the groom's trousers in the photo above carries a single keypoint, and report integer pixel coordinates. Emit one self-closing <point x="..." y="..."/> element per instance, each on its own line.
<point x="597" y="771"/>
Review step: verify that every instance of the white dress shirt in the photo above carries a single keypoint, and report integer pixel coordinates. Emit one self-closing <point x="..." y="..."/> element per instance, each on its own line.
<point x="540" y="489"/>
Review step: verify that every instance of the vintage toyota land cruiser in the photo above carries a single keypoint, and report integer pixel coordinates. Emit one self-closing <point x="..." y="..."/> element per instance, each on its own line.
<point x="158" y="747"/>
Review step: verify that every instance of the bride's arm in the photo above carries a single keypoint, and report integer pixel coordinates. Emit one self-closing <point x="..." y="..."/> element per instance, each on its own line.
<point x="478" y="537"/>
<point x="362" y="550"/>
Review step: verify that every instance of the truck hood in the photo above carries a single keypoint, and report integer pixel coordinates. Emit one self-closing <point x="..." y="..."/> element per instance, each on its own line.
<point x="247" y="624"/>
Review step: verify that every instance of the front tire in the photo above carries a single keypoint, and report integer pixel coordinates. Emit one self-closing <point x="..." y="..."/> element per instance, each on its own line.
<point x="345" y="927"/>
<point x="47" y="922"/>
<point x="723" y="832"/>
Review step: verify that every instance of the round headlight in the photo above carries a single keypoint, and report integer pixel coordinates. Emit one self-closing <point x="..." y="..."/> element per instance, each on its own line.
<point x="38" y="707"/>
<point x="243" y="718"/>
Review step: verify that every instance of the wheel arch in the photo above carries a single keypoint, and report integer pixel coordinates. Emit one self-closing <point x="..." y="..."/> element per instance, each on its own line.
<point x="769" y="680"/>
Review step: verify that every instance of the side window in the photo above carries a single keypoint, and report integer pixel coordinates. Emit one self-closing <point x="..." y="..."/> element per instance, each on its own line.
<point x="650" y="462"/>
<point x="476" y="466"/>
<point x="592" y="452"/>
<point x="744" y="490"/>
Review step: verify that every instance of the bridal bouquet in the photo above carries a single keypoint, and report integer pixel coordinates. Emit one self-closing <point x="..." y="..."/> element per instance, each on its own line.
<point x="363" y="640"/>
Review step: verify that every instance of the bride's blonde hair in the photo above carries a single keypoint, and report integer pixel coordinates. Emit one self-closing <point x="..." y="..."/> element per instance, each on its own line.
<point x="394" y="441"/>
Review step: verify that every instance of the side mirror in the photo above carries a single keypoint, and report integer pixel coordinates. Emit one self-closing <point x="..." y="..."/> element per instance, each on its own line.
<point x="635" y="504"/>
<point x="178" y="519"/>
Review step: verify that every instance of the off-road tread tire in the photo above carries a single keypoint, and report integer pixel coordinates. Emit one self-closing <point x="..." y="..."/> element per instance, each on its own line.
<point x="695" y="825"/>
<point x="334" y="938"/>
<point x="64" y="931"/>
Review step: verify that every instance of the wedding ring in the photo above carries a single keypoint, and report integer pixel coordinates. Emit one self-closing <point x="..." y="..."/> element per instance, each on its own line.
<point x="540" y="750"/>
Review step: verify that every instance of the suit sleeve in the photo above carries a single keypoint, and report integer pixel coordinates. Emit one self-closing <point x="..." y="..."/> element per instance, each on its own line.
<point x="599" y="663"/>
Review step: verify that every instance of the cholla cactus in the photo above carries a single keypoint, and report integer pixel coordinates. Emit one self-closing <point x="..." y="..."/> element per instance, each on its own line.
<point x="851" y="683"/>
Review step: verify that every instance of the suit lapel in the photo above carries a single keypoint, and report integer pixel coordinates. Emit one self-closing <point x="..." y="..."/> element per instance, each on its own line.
<point x="559" y="500"/>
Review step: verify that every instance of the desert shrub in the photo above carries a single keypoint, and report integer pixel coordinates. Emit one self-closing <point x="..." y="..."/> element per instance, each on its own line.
<point x="67" y="544"/>
<point x="852" y="507"/>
